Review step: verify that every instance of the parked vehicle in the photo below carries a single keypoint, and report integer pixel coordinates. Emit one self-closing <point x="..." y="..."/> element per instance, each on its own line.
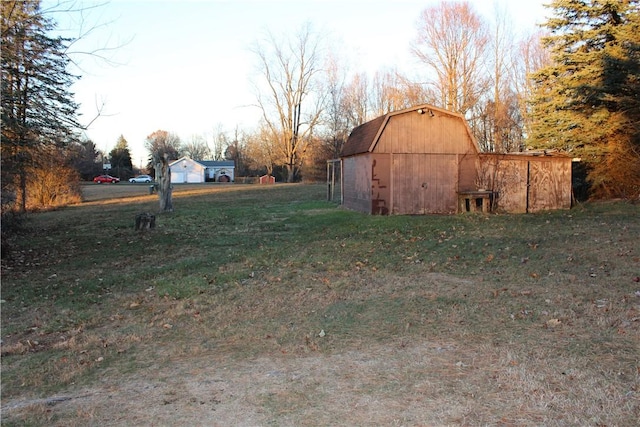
<point x="106" y="178"/>
<point x="141" y="178"/>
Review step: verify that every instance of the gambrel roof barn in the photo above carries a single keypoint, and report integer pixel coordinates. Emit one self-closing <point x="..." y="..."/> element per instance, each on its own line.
<point x="424" y="160"/>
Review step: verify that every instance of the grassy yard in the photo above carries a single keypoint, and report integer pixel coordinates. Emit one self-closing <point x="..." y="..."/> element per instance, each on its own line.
<point x="255" y="305"/>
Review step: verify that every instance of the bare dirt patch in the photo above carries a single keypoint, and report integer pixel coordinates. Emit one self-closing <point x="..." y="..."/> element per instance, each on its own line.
<point x="423" y="376"/>
<point x="428" y="383"/>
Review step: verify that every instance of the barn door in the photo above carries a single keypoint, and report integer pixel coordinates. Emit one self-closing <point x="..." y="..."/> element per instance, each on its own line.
<point x="425" y="183"/>
<point x="549" y="185"/>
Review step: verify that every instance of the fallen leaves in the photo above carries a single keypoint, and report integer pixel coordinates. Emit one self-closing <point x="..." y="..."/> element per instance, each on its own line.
<point x="497" y="292"/>
<point x="553" y="323"/>
<point x="524" y="293"/>
<point x="310" y="344"/>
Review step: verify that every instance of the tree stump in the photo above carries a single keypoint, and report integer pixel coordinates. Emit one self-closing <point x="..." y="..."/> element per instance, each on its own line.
<point x="145" y="221"/>
<point x="163" y="177"/>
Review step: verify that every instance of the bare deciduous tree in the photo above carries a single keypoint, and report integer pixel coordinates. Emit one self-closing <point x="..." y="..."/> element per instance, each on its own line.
<point x="220" y="142"/>
<point x="391" y="91"/>
<point x="336" y="119"/>
<point x="261" y="150"/>
<point x="356" y="100"/>
<point x="496" y="120"/>
<point x="160" y="143"/>
<point x="451" y="42"/>
<point x="291" y="103"/>
<point x="385" y="93"/>
<point x="235" y="149"/>
<point x="197" y="148"/>
<point x="531" y="56"/>
<point x="501" y="37"/>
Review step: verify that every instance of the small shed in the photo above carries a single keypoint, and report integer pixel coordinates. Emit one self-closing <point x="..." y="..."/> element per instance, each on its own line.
<point x="425" y="160"/>
<point x="531" y="181"/>
<point x="267" y="179"/>
<point x="186" y="170"/>
<point x="412" y="161"/>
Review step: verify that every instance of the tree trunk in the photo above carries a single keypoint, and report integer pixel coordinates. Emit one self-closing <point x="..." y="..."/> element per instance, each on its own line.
<point x="290" y="172"/>
<point x="163" y="177"/>
<point x="23" y="189"/>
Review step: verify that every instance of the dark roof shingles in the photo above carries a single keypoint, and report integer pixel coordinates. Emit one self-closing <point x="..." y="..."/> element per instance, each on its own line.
<point x="217" y="163"/>
<point x="361" y="137"/>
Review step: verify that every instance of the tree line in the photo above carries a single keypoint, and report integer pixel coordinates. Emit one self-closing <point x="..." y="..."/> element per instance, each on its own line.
<point x="571" y="86"/>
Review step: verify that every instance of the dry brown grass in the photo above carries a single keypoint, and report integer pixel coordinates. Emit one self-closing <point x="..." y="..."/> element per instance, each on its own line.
<point x="306" y="315"/>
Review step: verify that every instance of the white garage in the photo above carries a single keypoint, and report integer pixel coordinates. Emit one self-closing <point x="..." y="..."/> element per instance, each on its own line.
<point x="185" y="170"/>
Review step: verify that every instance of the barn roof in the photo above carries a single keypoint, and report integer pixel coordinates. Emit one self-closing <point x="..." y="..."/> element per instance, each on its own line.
<point x="364" y="137"/>
<point x="361" y="137"/>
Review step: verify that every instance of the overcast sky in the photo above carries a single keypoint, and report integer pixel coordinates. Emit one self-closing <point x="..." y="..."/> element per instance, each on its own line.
<point x="185" y="66"/>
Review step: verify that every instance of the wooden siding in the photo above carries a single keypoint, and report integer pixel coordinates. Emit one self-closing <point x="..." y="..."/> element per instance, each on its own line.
<point x="424" y="183"/>
<point x="420" y="133"/>
<point x="549" y="184"/>
<point x="380" y="184"/>
<point x="356" y="177"/>
<point x="510" y="181"/>
<point x="467" y="172"/>
<point x="527" y="183"/>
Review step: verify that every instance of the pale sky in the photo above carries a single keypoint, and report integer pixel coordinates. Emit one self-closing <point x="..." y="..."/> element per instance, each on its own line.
<point x="185" y="66"/>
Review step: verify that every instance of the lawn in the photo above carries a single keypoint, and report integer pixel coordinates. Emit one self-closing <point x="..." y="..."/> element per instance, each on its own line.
<point x="267" y="305"/>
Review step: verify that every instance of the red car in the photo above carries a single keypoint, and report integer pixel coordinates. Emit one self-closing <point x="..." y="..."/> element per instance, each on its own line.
<point x="106" y="178"/>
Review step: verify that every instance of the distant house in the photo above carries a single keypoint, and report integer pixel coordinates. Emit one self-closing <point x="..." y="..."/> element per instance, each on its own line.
<point x="186" y="170"/>
<point x="425" y="160"/>
<point x="219" y="170"/>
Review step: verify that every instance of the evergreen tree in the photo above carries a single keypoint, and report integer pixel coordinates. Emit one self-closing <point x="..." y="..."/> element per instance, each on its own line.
<point x="38" y="110"/>
<point x="121" y="164"/>
<point x="86" y="159"/>
<point x="587" y="102"/>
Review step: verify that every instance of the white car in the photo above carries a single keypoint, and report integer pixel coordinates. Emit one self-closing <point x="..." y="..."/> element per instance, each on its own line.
<point x="141" y="178"/>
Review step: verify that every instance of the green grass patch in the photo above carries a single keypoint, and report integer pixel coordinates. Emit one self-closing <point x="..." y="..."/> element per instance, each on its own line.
<point x="250" y="271"/>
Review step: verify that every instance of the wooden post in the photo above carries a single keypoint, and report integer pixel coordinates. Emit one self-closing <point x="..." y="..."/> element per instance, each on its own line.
<point x="331" y="178"/>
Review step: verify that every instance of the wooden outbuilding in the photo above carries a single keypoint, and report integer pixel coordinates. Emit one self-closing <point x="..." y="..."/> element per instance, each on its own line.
<point x="412" y="161"/>
<point x="425" y="160"/>
<point x="531" y="181"/>
<point x="267" y="179"/>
